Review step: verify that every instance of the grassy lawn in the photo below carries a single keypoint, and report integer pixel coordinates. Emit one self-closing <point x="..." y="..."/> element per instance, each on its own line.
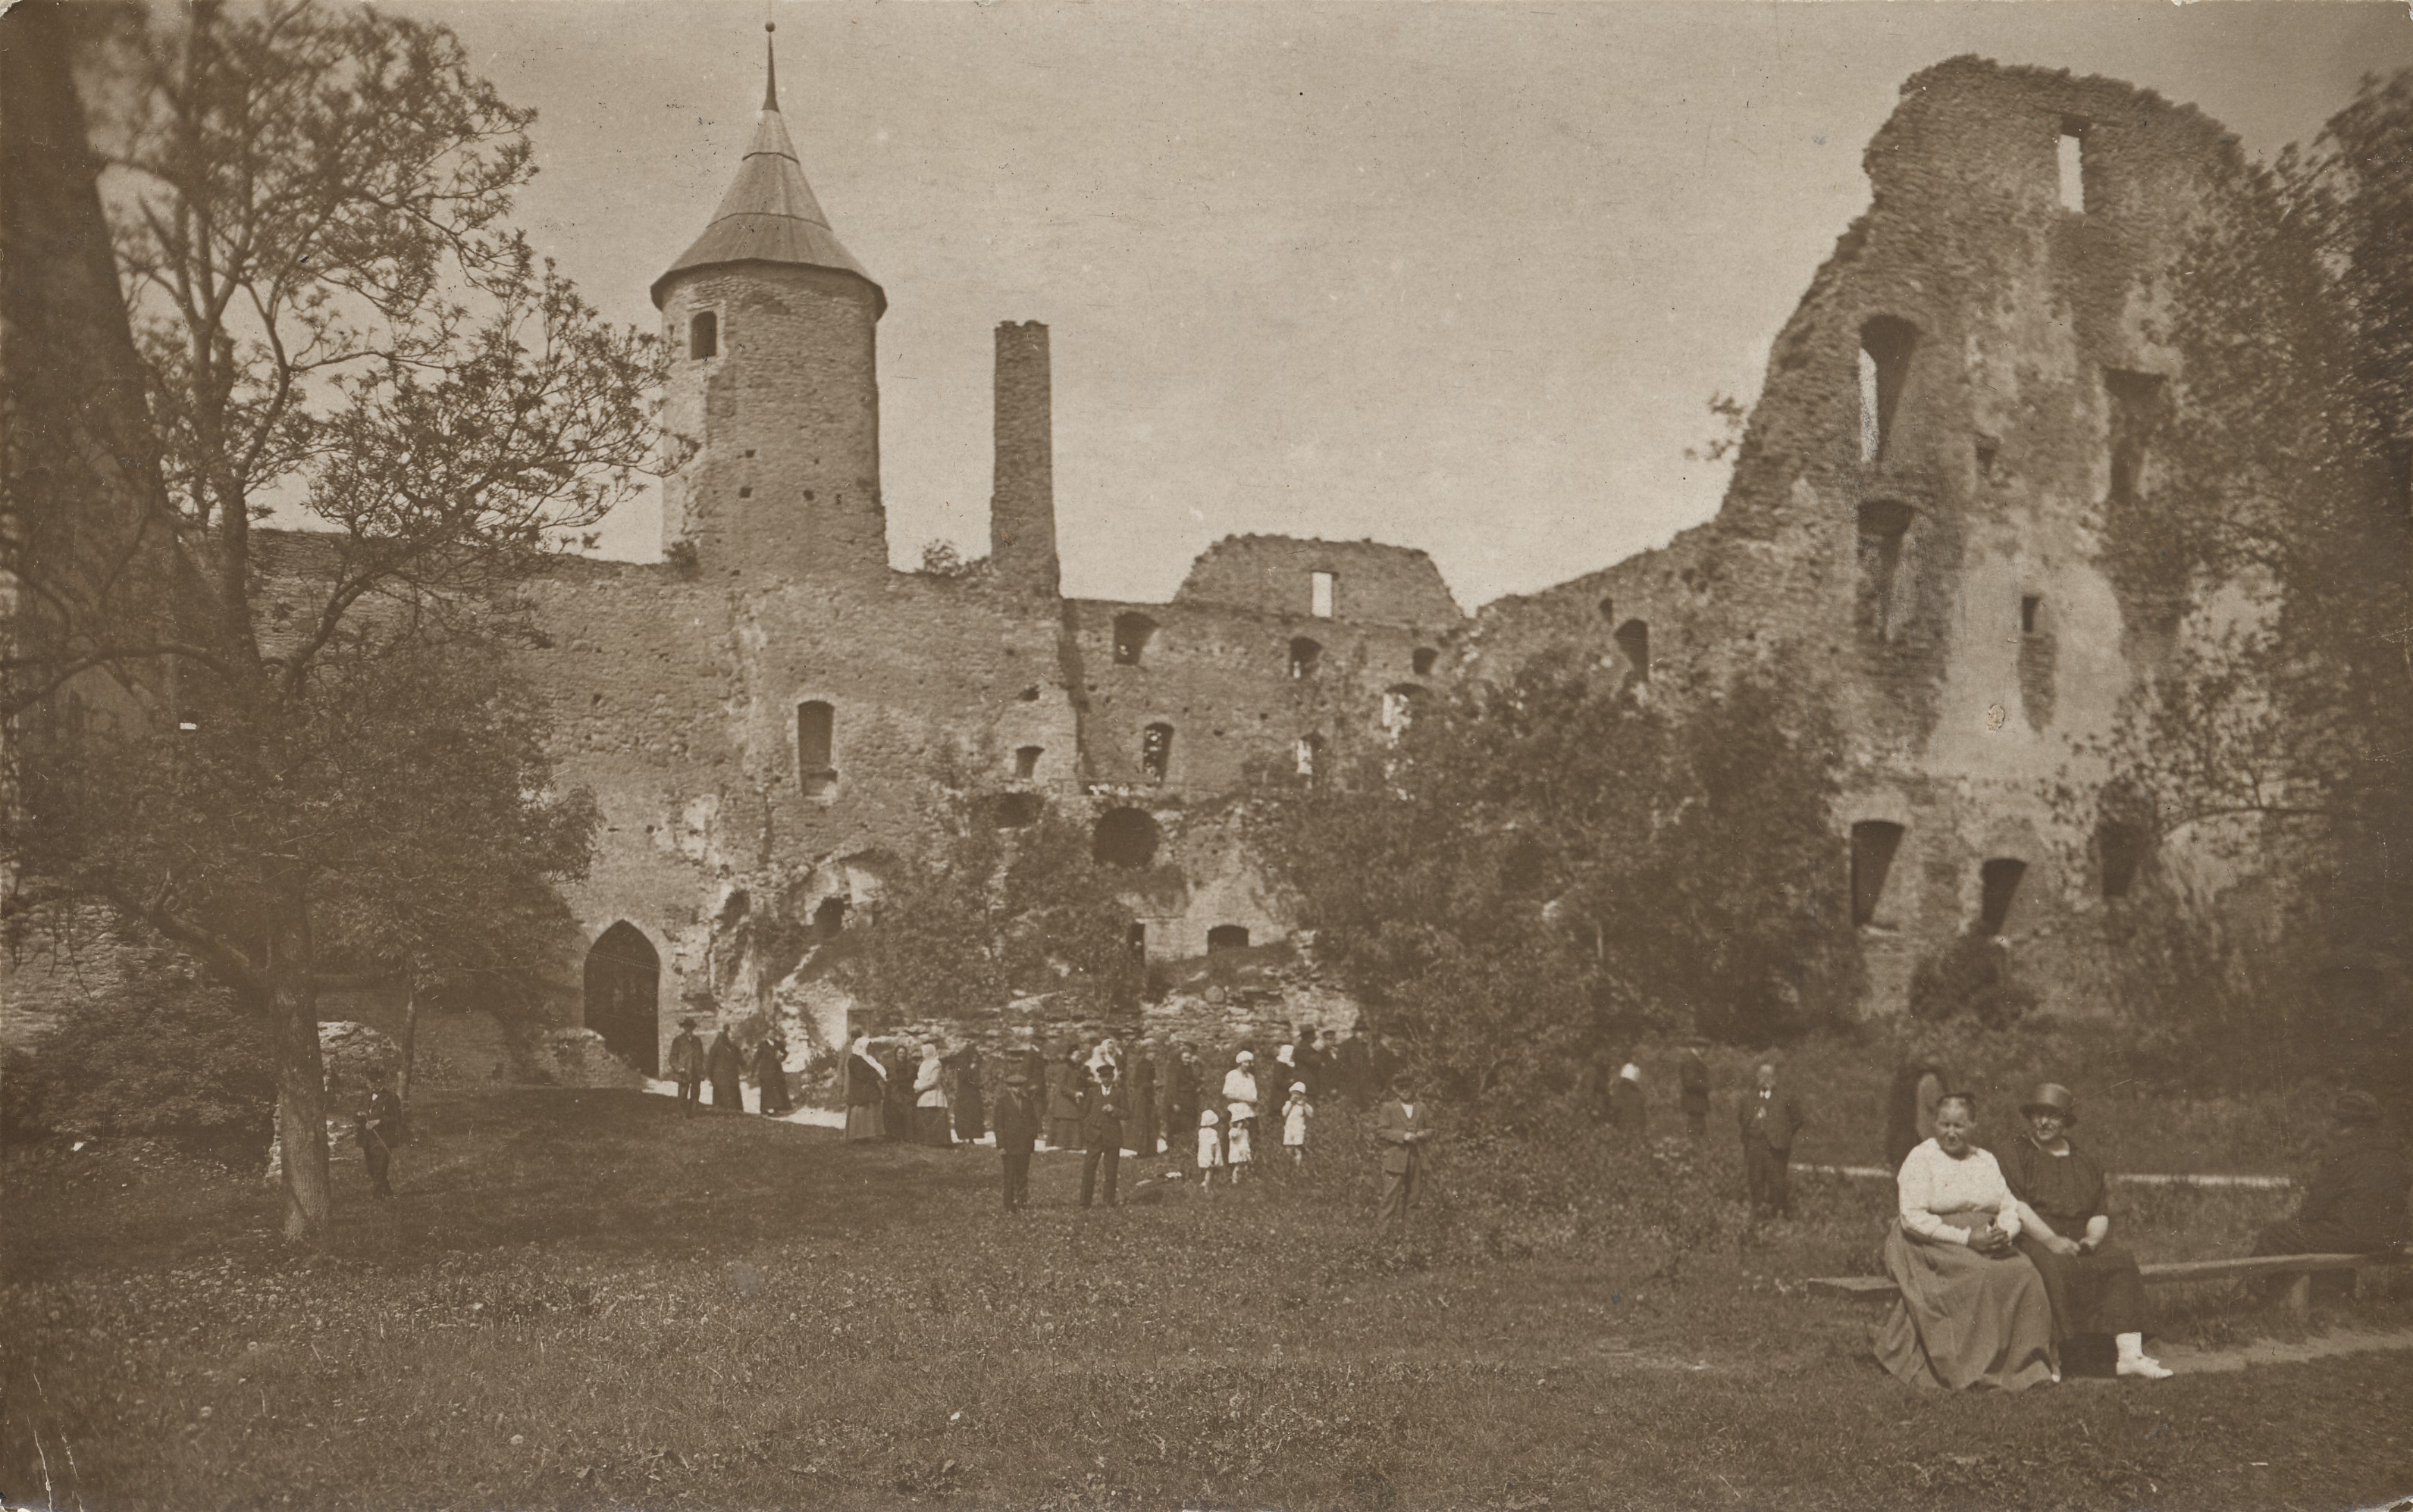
<point x="582" y="1301"/>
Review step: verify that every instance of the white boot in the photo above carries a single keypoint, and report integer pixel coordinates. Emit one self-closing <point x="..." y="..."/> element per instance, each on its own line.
<point x="2135" y="1361"/>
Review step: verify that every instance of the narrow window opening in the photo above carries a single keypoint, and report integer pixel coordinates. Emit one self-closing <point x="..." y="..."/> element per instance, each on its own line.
<point x="1882" y="525"/>
<point x="1999" y="884"/>
<point x="1885" y="344"/>
<point x="2038" y="658"/>
<point x="1873" y="843"/>
<point x="704" y="335"/>
<point x="1124" y="837"/>
<point x="2119" y="851"/>
<point x="1133" y="634"/>
<point x="1304" y="654"/>
<point x="1633" y="640"/>
<point x="1227" y="937"/>
<point x="1156" y="752"/>
<point x="745" y="494"/>
<point x="1310" y="753"/>
<point x="2135" y="400"/>
<point x="1423" y="660"/>
<point x="1136" y="938"/>
<point x="2073" y="165"/>
<point x="1609" y="612"/>
<point x="1026" y="762"/>
<point x="816" y="726"/>
<point x="1320" y="592"/>
<point x="1988" y="448"/>
<point x="2031" y="605"/>
<point x="829" y="920"/>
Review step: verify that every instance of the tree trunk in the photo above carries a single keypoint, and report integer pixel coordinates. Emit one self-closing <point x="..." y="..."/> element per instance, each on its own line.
<point x="301" y="1077"/>
<point x="410" y="1037"/>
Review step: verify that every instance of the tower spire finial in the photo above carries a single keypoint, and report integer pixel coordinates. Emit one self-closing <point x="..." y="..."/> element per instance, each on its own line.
<point x="771" y="71"/>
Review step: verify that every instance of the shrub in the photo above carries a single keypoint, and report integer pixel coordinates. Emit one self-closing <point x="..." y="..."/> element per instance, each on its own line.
<point x="1974" y="975"/>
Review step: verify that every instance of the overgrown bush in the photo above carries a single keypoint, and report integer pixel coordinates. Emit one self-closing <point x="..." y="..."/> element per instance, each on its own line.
<point x="172" y="1060"/>
<point x="1972" y="977"/>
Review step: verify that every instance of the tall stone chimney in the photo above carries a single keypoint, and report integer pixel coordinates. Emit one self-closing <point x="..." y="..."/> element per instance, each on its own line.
<point x="1022" y="501"/>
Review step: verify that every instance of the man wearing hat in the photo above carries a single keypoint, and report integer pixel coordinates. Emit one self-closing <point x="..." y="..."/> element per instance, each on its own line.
<point x="1017" y="1130"/>
<point x="687" y="1067"/>
<point x="2355" y="1201"/>
<point x="1769" y="1117"/>
<point x="1104" y="1109"/>
<point x="2063" y="1224"/>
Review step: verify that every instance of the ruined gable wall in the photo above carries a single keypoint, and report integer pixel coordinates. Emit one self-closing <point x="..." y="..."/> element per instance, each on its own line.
<point x="1958" y="710"/>
<point x="1374" y="583"/>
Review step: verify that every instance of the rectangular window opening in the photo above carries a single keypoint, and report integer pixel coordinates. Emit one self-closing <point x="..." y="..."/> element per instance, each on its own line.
<point x="2135" y="400"/>
<point x="2073" y="165"/>
<point x="2031" y="605"/>
<point x="816" y="726"/>
<point x="1886" y="344"/>
<point x="1873" y="843"/>
<point x="1319" y="586"/>
<point x="1999" y="884"/>
<point x="704" y="335"/>
<point x="1026" y="762"/>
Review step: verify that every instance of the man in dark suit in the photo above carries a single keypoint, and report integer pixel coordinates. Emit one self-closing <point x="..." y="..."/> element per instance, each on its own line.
<point x="1399" y="1125"/>
<point x="1354" y="1062"/>
<point x="1103" y="1107"/>
<point x="1017" y="1130"/>
<point x="687" y="1067"/>
<point x="1769" y="1117"/>
<point x="1143" y="1096"/>
<point x="1178" y="1087"/>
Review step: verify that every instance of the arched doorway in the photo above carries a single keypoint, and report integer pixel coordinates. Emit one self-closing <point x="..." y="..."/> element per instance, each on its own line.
<point x="623" y="996"/>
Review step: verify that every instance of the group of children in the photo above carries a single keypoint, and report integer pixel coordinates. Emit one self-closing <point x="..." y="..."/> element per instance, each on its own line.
<point x="1225" y="1140"/>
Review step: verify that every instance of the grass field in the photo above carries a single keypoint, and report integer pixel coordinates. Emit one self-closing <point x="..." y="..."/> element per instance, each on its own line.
<point x="582" y="1301"/>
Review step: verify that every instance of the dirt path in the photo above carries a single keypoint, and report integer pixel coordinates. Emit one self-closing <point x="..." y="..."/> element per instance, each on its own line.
<point x="2189" y="1360"/>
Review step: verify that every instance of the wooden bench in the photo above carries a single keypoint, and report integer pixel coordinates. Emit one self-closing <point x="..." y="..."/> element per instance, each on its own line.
<point x="2171" y="1272"/>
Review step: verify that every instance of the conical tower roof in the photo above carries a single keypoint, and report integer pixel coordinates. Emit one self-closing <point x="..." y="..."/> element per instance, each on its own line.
<point x="769" y="214"/>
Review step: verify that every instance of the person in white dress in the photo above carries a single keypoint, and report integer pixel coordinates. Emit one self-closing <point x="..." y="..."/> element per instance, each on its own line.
<point x="1240" y="1110"/>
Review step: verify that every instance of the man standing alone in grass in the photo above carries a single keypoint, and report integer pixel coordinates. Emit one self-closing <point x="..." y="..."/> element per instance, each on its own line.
<point x="1769" y="1117"/>
<point x="1017" y="1129"/>
<point x="687" y="1067"/>
<point x="1399" y="1125"/>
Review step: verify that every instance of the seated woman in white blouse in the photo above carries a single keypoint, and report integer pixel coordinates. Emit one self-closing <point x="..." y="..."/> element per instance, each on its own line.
<point x="1973" y="1312"/>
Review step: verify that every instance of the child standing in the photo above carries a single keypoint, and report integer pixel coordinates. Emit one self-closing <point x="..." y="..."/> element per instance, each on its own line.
<point x="1211" y="1147"/>
<point x="1295" y="1113"/>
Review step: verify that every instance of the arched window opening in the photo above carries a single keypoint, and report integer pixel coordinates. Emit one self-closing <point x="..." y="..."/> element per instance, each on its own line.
<point x="1303" y="656"/>
<point x="829" y="920"/>
<point x="2119" y="852"/>
<point x="623" y="996"/>
<point x="816" y="730"/>
<point x="1323" y="592"/>
<point x="1156" y="752"/>
<point x="1884" y="523"/>
<point x="1873" y="843"/>
<point x="1422" y="660"/>
<point x="704" y="335"/>
<point x="1124" y="837"/>
<point x="1633" y="639"/>
<point x="1999" y="884"/>
<point x="1132" y="633"/>
<point x="1609" y="612"/>
<point x="2135" y="400"/>
<point x="1227" y="937"/>
<point x="1885" y="344"/>
<point x="1026" y="762"/>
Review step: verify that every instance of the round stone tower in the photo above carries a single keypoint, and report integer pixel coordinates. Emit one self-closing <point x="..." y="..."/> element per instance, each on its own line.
<point x="772" y="413"/>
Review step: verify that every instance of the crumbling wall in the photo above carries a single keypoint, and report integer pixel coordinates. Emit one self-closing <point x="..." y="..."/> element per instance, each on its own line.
<point x="1372" y="582"/>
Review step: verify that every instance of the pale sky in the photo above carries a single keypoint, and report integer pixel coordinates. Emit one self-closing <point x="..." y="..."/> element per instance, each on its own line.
<point x="1454" y="276"/>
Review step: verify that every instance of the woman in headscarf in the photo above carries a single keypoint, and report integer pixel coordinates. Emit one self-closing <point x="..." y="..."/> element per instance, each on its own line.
<point x="1972" y="1310"/>
<point x="867" y="1092"/>
<point x="931" y="1116"/>
<point x="771" y="1070"/>
<point x="2063" y="1227"/>
<point x="1240" y="1106"/>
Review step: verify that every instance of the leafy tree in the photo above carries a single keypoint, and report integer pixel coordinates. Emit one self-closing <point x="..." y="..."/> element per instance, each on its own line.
<point x="2275" y="734"/>
<point x="332" y="316"/>
<point x="1543" y="865"/>
<point x="1005" y="898"/>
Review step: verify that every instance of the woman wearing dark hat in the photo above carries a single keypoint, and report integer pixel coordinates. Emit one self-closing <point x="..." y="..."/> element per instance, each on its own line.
<point x="2063" y="1225"/>
<point x="2355" y="1201"/>
<point x="867" y="1092"/>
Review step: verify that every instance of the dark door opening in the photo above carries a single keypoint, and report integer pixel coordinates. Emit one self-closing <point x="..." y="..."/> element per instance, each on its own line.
<point x="623" y="996"/>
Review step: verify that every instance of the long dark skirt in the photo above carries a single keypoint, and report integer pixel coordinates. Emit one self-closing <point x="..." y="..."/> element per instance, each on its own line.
<point x="934" y="1126"/>
<point x="864" y="1122"/>
<point x="1964" y="1320"/>
<point x="728" y="1091"/>
<point x="774" y="1092"/>
<point x="970" y="1118"/>
<point x="2097" y="1293"/>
